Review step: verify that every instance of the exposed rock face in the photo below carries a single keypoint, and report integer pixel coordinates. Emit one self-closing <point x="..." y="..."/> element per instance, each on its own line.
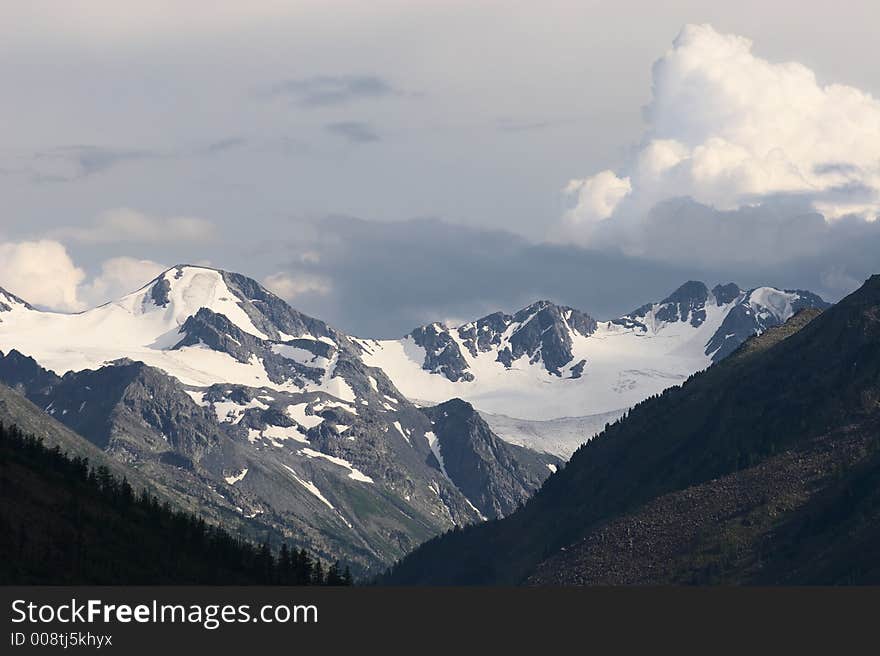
<point x="18" y="410"/>
<point x="687" y="303"/>
<point x="442" y="354"/>
<point x="495" y="476"/>
<point x="753" y="313"/>
<point x="22" y="372"/>
<point x="159" y="292"/>
<point x="749" y="312"/>
<point x="128" y="408"/>
<point x="542" y="332"/>
<point x="725" y="294"/>
<point x="9" y="301"/>
<point x="275" y="317"/>
<point x="520" y="365"/>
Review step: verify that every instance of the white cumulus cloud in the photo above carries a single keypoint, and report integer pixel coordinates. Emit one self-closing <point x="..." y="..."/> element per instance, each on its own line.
<point x="596" y="197"/>
<point x="729" y="129"/>
<point x="118" y="277"/>
<point x="42" y="273"/>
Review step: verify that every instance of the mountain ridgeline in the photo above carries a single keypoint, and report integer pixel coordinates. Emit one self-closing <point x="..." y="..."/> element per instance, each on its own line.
<point x="221" y="399"/>
<point x="549" y="361"/>
<point x="763" y="468"/>
<point x="227" y="402"/>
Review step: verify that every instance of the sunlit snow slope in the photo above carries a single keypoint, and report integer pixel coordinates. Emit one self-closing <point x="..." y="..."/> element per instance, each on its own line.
<point x="539" y="364"/>
<point x="545" y="362"/>
<point x="148" y="326"/>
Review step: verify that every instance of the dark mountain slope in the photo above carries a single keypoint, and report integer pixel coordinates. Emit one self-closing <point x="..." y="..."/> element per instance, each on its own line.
<point x="62" y="521"/>
<point x="15" y="409"/>
<point x="381" y="489"/>
<point x="789" y="519"/>
<point x="774" y="394"/>
<point x="495" y="476"/>
<point x="161" y="476"/>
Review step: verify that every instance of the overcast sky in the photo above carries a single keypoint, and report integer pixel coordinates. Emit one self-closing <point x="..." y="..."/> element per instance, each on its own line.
<point x="384" y="164"/>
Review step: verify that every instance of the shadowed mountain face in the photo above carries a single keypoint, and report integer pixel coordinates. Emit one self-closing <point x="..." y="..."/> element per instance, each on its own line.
<point x="68" y="517"/>
<point x="792" y="518"/>
<point x="751" y="457"/>
<point x="496" y="477"/>
<point x="9" y="301"/>
<point x="16" y="410"/>
<point x="325" y="475"/>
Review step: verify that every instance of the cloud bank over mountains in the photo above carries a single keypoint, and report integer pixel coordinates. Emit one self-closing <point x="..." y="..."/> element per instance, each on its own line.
<point x="739" y="136"/>
<point x="748" y="170"/>
<point x="43" y="273"/>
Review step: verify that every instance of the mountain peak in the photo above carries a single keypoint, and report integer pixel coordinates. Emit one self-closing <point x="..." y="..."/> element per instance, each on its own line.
<point x="238" y="283"/>
<point x="692" y="290"/>
<point x="725" y="294"/>
<point x="180" y="292"/>
<point x="186" y="265"/>
<point x="687" y="303"/>
<point x="863" y="304"/>
<point x="785" y="412"/>
<point x="872" y="284"/>
<point x="184" y="290"/>
<point x="9" y="300"/>
<point x="538" y="305"/>
<point x="543" y="331"/>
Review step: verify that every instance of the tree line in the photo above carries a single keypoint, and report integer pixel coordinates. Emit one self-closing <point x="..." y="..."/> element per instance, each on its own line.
<point x="65" y="521"/>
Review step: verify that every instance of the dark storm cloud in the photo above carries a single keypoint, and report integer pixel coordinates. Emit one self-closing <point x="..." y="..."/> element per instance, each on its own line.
<point x="387" y="278"/>
<point x="773" y="235"/>
<point x="324" y="90"/>
<point x="781" y="241"/>
<point x="353" y="131"/>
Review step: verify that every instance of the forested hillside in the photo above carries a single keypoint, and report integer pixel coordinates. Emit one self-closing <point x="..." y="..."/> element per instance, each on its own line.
<point x="63" y="521"/>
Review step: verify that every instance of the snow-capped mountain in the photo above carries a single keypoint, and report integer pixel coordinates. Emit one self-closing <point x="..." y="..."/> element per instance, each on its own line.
<point x="11" y="303"/>
<point x="227" y="398"/>
<point x="200" y="325"/>
<point x="548" y="362"/>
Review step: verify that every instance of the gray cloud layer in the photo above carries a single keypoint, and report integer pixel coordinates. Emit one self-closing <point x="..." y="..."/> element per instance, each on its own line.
<point x="71" y="163"/>
<point x="249" y="114"/>
<point x="324" y="90"/>
<point x="387" y="278"/>
<point x="353" y="131"/>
